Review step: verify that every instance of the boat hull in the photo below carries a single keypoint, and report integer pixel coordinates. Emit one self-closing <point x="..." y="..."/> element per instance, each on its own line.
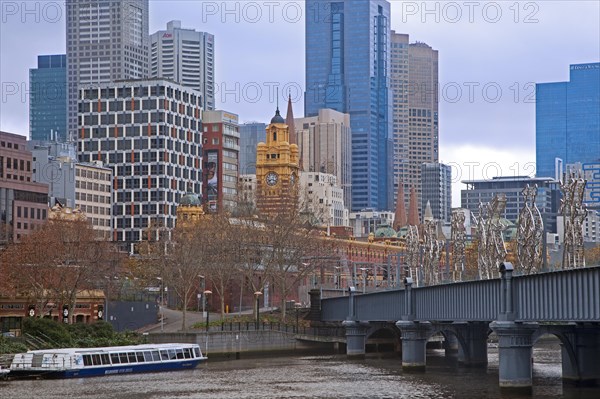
<point x="105" y="370"/>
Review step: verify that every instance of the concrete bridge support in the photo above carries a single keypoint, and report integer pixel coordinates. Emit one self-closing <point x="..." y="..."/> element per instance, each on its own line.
<point x="451" y="346"/>
<point x="414" y="343"/>
<point x="356" y="334"/>
<point x="474" y="353"/>
<point x="585" y="369"/>
<point x="515" y="353"/>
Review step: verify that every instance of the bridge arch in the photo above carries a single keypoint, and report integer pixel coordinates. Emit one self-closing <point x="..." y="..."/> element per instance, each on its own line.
<point x="569" y="362"/>
<point x="383" y="338"/>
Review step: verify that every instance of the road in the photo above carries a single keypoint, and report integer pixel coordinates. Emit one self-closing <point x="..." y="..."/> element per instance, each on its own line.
<point x="173" y="320"/>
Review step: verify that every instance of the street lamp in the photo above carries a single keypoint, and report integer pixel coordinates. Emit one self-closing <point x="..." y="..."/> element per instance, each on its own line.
<point x="162" y="313"/>
<point x="200" y="291"/>
<point x="257" y="294"/>
<point x="297" y="306"/>
<point x="364" y="275"/>
<point x="206" y="294"/>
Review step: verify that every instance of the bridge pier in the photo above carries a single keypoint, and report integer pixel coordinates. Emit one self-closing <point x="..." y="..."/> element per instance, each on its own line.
<point x="585" y="343"/>
<point x="356" y="334"/>
<point x="451" y="346"/>
<point x="475" y="352"/>
<point x="515" y="354"/>
<point x="414" y="343"/>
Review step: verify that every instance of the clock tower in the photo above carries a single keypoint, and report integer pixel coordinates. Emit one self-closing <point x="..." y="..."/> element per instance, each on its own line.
<point x="277" y="166"/>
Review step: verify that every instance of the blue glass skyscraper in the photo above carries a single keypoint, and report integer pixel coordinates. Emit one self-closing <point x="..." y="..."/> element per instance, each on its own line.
<point x="347" y="69"/>
<point x="48" y="99"/>
<point x="567" y="117"/>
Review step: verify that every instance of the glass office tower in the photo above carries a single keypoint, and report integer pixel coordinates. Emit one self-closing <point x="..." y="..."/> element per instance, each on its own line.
<point x="347" y="69"/>
<point x="567" y="116"/>
<point x="48" y="99"/>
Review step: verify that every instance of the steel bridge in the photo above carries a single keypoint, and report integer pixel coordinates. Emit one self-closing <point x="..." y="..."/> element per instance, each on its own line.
<point x="519" y="309"/>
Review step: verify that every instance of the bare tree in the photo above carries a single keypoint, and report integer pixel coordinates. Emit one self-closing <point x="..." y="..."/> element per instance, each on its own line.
<point x="57" y="261"/>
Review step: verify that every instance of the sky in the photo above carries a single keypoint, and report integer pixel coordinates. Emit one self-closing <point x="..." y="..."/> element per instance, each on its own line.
<point x="490" y="55"/>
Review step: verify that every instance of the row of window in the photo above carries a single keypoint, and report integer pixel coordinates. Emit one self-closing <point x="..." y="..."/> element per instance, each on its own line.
<point x="8" y="144"/>
<point x="30" y="213"/>
<point x="88" y="174"/>
<point x="140" y="356"/>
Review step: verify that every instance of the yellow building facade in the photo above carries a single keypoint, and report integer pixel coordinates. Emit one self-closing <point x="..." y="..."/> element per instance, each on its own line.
<point x="277" y="168"/>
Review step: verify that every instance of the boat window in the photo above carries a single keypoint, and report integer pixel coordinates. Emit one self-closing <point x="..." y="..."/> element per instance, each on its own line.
<point x="147" y="356"/>
<point x="114" y="358"/>
<point x="164" y="355"/>
<point x="155" y="356"/>
<point x="105" y="358"/>
<point x="197" y="352"/>
<point x="87" y="360"/>
<point x="140" y="356"/>
<point x="96" y="359"/>
<point x="179" y="353"/>
<point x="123" y="357"/>
<point x="132" y="358"/>
<point x="172" y="355"/>
<point x="187" y="352"/>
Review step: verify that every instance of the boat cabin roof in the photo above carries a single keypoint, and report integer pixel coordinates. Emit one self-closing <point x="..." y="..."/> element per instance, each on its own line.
<point x="128" y="348"/>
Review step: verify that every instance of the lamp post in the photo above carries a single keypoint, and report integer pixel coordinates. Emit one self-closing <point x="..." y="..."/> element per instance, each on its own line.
<point x="200" y="291"/>
<point x="257" y="294"/>
<point x="364" y="276"/>
<point x="206" y="294"/>
<point x="160" y="306"/>
<point x="297" y="306"/>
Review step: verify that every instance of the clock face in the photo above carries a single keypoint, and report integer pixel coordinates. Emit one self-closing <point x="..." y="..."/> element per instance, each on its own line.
<point x="272" y="178"/>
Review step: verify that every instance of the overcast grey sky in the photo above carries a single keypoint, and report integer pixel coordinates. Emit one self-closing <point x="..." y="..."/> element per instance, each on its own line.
<point x="490" y="54"/>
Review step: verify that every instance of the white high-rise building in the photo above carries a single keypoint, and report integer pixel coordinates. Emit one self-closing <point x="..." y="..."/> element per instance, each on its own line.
<point x="107" y="40"/>
<point x="324" y="142"/>
<point x="186" y="57"/>
<point x="321" y="195"/>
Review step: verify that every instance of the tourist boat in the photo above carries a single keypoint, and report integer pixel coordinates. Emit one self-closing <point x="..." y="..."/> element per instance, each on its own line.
<point x="93" y="362"/>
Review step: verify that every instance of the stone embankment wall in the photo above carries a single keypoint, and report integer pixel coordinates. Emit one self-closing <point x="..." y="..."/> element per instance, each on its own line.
<point x="236" y="343"/>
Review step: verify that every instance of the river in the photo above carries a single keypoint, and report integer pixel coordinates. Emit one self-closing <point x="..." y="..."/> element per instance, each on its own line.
<point x="314" y="376"/>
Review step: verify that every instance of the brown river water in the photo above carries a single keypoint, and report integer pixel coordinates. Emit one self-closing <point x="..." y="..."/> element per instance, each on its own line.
<point x="312" y="376"/>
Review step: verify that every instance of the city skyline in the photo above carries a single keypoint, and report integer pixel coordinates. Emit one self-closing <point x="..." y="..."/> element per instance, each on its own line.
<point x="512" y="54"/>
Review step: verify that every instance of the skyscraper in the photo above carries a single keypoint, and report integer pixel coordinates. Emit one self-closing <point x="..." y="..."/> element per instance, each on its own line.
<point x="251" y="134"/>
<point x="436" y="188"/>
<point x="107" y="40"/>
<point x="400" y="85"/>
<point x="347" y="69"/>
<point x="567" y="119"/>
<point x="186" y="57"/>
<point x="48" y="99"/>
<point x="414" y="75"/>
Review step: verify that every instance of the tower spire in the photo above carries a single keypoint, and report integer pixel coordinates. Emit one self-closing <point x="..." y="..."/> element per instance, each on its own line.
<point x="413" y="210"/>
<point x="400" y="217"/>
<point x="289" y="120"/>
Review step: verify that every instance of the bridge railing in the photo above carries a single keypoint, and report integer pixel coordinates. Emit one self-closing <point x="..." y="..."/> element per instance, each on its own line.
<point x="466" y="301"/>
<point x="368" y="306"/>
<point x="565" y="295"/>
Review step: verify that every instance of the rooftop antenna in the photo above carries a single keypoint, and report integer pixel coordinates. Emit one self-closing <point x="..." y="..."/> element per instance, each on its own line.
<point x="277" y="99"/>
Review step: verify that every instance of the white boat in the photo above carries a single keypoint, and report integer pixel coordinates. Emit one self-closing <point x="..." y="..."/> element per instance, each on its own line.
<point x="93" y="362"/>
<point x="3" y="372"/>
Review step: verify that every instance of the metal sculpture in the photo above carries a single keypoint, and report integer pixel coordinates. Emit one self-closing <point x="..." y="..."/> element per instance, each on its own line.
<point x="530" y="232"/>
<point x="459" y="240"/>
<point x="413" y="252"/>
<point x="574" y="212"/>
<point x="491" y="244"/>
<point x="432" y="251"/>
